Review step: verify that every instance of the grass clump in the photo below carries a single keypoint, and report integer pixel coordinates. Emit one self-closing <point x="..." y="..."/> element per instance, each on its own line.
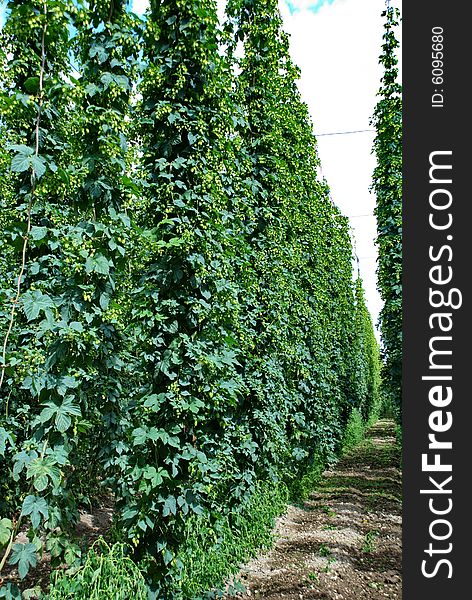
<point x="368" y="544"/>
<point x="215" y="550"/>
<point x="108" y="573"/>
<point x="354" y="432"/>
<point x="324" y="551"/>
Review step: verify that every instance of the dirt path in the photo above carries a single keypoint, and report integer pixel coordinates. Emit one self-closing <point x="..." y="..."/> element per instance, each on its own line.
<point x="344" y="542"/>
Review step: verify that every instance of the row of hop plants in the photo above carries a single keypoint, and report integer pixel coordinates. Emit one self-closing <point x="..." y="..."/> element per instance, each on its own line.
<point x="179" y="324"/>
<point x="387" y="187"/>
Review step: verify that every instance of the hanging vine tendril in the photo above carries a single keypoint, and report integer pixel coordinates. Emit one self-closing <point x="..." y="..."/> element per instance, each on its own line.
<point x="30" y="203"/>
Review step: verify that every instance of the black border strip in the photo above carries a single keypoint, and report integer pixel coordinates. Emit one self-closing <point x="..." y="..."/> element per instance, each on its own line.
<point x="444" y="126"/>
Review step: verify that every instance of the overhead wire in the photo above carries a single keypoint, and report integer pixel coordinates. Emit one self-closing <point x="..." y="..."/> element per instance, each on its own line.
<point x="343" y="132"/>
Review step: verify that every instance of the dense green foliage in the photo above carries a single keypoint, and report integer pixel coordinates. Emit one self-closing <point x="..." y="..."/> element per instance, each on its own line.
<point x="355" y="430"/>
<point x="367" y="375"/>
<point x="180" y="326"/>
<point x="387" y="185"/>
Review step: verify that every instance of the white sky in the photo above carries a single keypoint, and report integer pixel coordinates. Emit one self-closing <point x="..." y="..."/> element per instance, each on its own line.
<point x="336" y="44"/>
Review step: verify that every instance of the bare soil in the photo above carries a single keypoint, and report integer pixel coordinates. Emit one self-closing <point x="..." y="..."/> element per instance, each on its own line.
<point x="344" y="541"/>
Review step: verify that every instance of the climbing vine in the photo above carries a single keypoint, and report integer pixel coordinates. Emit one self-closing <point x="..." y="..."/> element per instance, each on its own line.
<point x="387" y="185"/>
<point x="181" y="332"/>
<point x="61" y="359"/>
<point x="34" y="97"/>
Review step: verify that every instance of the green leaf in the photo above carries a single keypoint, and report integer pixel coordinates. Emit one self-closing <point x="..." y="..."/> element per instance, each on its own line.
<point x="39" y="166"/>
<point x="21" y="149"/>
<point x="38" y="233"/>
<point x="63" y="422"/>
<point x="40" y="482"/>
<point x="21" y="460"/>
<point x="62" y="413"/>
<point x="123" y="142"/>
<point x="32" y="593"/>
<point x="154" y="401"/>
<point x="20" y="163"/>
<point x="122" y="81"/>
<point x="98" y="264"/>
<point x="23" y="555"/>
<point x="35" y="507"/>
<point x="104" y="300"/>
<point x="139" y="436"/>
<point x="154" y="476"/>
<point x="99" y="52"/>
<point x="91" y="89"/>
<point x="63" y="175"/>
<point x="34" y="302"/>
<point x="72" y="554"/>
<point x="5" y="531"/>
<point x="66" y="382"/>
<point x="106" y="79"/>
<point x="5" y="436"/>
<point x="170" y="506"/>
<point x="10" y="591"/>
<point x="129" y="184"/>
<point x="129" y="513"/>
<point x="55" y="546"/>
<point x="41" y="470"/>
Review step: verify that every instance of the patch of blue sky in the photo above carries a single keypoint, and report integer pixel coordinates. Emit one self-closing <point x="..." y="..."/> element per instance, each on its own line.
<point x="2" y="12"/>
<point x="313" y="6"/>
<point x="140" y="6"/>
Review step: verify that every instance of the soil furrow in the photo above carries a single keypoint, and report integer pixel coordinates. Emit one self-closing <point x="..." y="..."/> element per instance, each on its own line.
<point x="344" y="541"/>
